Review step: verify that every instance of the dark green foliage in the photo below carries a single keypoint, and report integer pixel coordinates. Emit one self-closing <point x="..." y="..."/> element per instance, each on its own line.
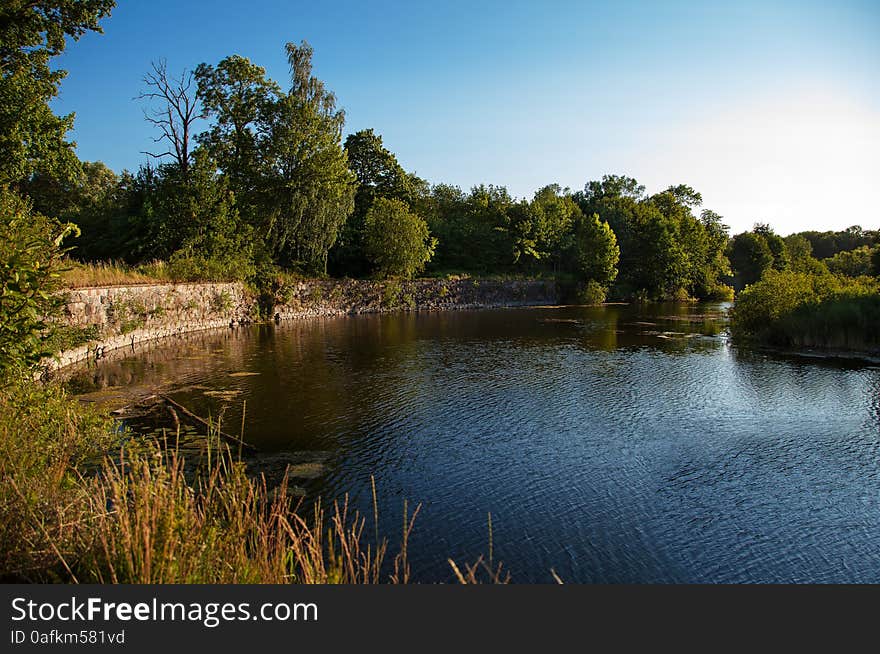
<point x="379" y="175"/>
<point x="795" y="309"/>
<point x="85" y="194"/>
<point x="30" y="262"/>
<point x="282" y="153"/>
<point x="590" y="292"/>
<point x="472" y="229"/>
<point x="542" y="230"/>
<point x="239" y="98"/>
<point x="665" y="251"/>
<point x="826" y="244"/>
<point x="776" y="245"/>
<point x="852" y="263"/>
<point x="750" y="257"/>
<point x="595" y="253"/>
<point x="32" y="138"/>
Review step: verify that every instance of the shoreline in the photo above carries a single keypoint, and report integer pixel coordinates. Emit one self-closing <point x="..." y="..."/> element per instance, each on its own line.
<point x="135" y="316"/>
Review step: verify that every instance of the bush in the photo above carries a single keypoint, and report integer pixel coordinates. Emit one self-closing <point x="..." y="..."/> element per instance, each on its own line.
<point x="188" y="266"/>
<point x="30" y="267"/>
<point x="720" y="293"/>
<point x="591" y="293"/>
<point x="397" y="241"/>
<point x="793" y="309"/>
<point x="852" y="263"/>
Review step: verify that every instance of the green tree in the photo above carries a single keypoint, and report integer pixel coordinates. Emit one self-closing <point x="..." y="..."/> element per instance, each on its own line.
<point x="750" y="257"/>
<point x="852" y="263"/>
<point x="827" y="244"/>
<point x="73" y="197"/>
<point x="379" y="175"/>
<point x="798" y="247"/>
<point x="470" y="228"/>
<point x="32" y="138"/>
<point x="396" y="240"/>
<point x="555" y="215"/>
<point x="776" y="244"/>
<point x="595" y="250"/>
<point x="239" y="97"/>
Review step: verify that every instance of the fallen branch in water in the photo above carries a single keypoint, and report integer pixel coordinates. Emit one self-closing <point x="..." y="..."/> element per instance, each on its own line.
<point x="247" y="447"/>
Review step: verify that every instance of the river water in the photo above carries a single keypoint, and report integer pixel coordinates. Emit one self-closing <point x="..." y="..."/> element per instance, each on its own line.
<point x="609" y="444"/>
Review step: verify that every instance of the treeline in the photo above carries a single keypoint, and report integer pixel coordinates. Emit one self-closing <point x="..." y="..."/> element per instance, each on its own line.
<point x="270" y="185"/>
<point x="251" y="176"/>
<point x="853" y="252"/>
<point x="791" y="299"/>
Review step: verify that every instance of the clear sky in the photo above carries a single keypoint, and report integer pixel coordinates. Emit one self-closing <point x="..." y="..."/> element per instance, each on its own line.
<point x="770" y="109"/>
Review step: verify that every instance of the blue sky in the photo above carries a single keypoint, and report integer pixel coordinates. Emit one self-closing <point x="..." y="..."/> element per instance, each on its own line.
<point x="770" y="109"/>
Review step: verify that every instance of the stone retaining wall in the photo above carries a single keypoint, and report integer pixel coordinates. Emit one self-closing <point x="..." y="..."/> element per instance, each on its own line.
<point x="128" y="316"/>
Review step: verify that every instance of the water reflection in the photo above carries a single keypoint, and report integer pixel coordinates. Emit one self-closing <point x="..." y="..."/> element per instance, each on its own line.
<point x="611" y="444"/>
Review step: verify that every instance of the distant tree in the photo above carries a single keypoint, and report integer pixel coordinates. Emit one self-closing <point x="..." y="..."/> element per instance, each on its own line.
<point x="281" y="154"/>
<point x="852" y="263"/>
<point x="32" y="138"/>
<point x="307" y="189"/>
<point x="239" y="97"/>
<point x="555" y="215"/>
<point x="397" y="241"/>
<point x="827" y="244"/>
<point x="174" y="109"/>
<point x="71" y="198"/>
<point x="379" y="175"/>
<point x="799" y="248"/>
<point x="217" y="244"/>
<point x="471" y="228"/>
<point x="776" y="245"/>
<point x="800" y="255"/>
<point x="595" y="251"/>
<point x="750" y="257"/>
<point x="610" y="187"/>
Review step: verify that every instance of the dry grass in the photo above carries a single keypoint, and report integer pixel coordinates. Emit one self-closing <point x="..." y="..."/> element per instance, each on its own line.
<point x="152" y="526"/>
<point x="113" y="273"/>
<point x="141" y="514"/>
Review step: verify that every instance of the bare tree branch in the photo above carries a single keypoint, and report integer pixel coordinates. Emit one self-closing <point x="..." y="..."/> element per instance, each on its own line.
<point x="175" y="114"/>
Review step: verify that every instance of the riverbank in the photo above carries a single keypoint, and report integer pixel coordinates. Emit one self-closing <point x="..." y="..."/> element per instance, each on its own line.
<point x="811" y="314"/>
<point x="99" y="320"/>
<point x="65" y="464"/>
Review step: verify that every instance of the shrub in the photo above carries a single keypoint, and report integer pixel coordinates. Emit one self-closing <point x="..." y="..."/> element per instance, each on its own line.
<point x="591" y="293"/>
<point x="187" y="265"/>
<point x="30" y="267"/>
<point x="793" y="309"/>
<point x="720" y="293"/>
<point x="397" y="241"/>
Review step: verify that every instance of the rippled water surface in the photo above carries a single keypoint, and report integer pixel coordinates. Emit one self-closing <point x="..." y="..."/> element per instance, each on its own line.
<point x="614" y="444"/>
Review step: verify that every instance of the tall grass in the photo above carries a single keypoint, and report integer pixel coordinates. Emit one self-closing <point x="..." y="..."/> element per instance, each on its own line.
<point x="151" y="525"/>
<point x="113" y="273"/>
<point x="78" y="505"/>
<point x="116" y="273"/>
